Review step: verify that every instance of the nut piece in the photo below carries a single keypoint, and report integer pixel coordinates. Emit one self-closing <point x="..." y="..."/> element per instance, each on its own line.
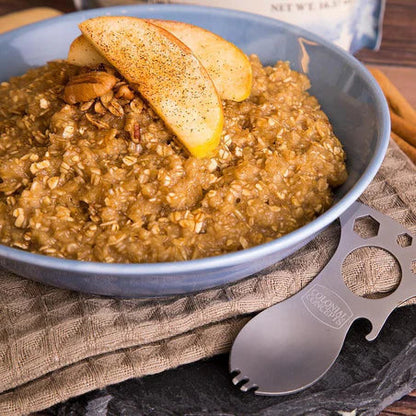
<point x="125" y="92"/>
<point x="86" y="87"/>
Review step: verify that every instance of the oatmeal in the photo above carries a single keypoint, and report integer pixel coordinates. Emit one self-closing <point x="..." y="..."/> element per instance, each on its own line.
<point x="104" y="180"/>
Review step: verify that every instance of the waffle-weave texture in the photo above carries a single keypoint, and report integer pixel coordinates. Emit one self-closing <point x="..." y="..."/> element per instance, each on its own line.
<point x="56" y="344"/>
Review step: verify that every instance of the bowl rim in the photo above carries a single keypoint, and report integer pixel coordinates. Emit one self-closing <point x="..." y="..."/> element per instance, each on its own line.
<point x="168" y="269"/>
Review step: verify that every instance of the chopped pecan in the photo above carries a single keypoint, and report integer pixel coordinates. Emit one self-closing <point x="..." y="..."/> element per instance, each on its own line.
<point x="106" y="98"/>
<point x="132" y="126"/>
<point x="136" y="132"/>
<point x="125" y="92"/>
<point x="99" y="108"/>
<point x="85" y="87"/>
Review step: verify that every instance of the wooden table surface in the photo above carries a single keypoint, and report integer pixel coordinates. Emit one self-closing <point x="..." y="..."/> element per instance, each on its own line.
<point x="396" y="57"/>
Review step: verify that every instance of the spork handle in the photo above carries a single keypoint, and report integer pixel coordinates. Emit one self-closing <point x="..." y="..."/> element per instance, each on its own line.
<point x="289" y="346"/>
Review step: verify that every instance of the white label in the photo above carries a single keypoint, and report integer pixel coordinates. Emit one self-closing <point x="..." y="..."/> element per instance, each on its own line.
<point x="338" y="21"/>
<point x="286" y="10"/>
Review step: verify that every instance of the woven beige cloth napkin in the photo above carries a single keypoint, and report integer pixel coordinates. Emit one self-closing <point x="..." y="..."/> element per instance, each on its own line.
<point x="55" y="344"/>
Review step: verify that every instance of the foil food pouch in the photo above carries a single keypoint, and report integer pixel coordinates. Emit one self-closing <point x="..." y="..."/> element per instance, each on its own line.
<point x="350" y="24"/>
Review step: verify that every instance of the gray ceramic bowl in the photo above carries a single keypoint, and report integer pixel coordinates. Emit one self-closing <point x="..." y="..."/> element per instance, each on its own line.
<point x="346" y="91"/>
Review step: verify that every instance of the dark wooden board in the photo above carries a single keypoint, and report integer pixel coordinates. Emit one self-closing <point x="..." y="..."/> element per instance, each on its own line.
<point x="398" y="46"/>
<point x="7" y="6"/>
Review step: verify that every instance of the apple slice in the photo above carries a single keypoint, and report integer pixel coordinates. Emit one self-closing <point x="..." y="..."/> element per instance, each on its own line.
<point x="167" y="75"/>
<point x="227" y="65"/>
<point x="82" y="53"/>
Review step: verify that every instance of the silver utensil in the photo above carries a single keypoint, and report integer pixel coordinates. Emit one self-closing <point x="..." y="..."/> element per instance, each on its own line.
<point x="292" y="344"/>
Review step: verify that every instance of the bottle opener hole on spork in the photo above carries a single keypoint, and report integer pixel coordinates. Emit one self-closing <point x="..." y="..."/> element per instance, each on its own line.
<point x="292" y="344"/>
